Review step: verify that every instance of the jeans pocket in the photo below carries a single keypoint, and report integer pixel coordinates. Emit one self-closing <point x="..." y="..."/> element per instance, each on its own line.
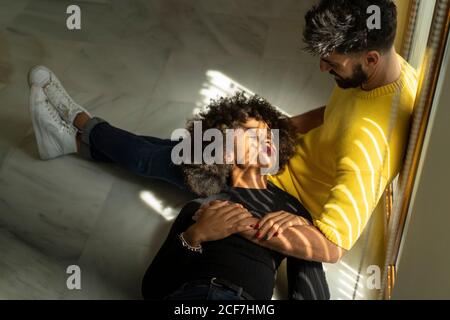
<point x="186" y="292"/>
<point x="217" y="293"/>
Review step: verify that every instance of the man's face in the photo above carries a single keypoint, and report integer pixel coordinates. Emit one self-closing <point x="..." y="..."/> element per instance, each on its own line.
<point x="347" y="70"/>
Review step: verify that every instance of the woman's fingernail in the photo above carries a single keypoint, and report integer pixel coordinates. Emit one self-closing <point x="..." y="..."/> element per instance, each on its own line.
<point x="257" y="226"/>
<point x="257" y="234"/>
<point x="276" y="234"/>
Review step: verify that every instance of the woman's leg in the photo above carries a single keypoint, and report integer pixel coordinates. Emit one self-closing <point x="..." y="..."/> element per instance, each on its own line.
<point x="145" y="156"/>
<point x="149" y="157"/>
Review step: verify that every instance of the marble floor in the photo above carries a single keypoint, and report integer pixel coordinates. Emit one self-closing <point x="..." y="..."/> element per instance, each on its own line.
<point x="146" y="66"/>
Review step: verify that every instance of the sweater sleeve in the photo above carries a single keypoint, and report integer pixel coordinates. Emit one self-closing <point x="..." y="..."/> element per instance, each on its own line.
<point x="165" y="272"/>
<point x="365" y="165"/>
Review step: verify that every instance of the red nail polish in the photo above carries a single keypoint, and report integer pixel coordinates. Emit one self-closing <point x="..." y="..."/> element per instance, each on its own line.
<point x="257" y="234"/>
<point x="257" y="226"/>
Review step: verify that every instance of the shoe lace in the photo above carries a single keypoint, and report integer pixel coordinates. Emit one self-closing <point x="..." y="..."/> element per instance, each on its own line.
<point x="55" y="116"/>
<point x="65" y="103"/>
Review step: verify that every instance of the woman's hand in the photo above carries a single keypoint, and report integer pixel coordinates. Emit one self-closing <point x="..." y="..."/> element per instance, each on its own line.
<point x="273" y="224"/>
<point x="216" y="221"/>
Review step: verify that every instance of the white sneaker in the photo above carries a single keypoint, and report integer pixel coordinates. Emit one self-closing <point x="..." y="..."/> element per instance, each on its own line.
<point x="67" y="108"/>
<point x="54" y="136"/>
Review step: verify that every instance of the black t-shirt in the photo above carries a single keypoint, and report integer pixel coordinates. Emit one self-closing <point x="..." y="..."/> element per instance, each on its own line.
<point x="234" y="258"/>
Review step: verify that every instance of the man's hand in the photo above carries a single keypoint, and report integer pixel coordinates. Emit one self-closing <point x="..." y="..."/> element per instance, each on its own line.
<point x="273" y="224"/>
<point x="217" y="221"/>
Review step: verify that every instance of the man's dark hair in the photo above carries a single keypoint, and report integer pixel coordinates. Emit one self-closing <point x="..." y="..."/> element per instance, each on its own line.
<point x="231" y="113"/>
<point x="341" y="26"/>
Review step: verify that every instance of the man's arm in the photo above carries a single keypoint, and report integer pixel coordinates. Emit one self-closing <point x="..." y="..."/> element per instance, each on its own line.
<point x="301" y="241"/>
<point x="308" y="121"/>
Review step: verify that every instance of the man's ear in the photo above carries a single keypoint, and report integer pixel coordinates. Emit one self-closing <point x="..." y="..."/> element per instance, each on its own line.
<point x="372" y="58"/>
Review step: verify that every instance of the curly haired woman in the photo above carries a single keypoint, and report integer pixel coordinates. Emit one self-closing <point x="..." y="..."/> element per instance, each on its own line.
<point x="215" y="252"/>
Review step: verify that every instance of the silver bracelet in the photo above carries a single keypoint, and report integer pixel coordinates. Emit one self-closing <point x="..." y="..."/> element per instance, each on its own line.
<point x="185" y="244"/>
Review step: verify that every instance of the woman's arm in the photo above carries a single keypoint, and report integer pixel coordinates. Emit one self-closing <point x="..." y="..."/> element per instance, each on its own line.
<point x="168" y="264"/>
<point x="301" y="239"/>
<point x="220" y="221"/>
<point x="160" y="279"/>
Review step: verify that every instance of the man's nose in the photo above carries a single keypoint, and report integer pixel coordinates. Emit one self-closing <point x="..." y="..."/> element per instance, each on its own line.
<point x="324" y="67"/>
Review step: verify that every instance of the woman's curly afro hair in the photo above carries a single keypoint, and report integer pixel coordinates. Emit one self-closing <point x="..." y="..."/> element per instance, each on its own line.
<point x="231" y="113"/>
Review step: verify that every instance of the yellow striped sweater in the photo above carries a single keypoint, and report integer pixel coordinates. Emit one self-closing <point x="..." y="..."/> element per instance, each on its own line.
<point x="335" y="172"/>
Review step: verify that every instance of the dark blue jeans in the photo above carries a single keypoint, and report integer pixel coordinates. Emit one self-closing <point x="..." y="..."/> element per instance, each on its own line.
<point x="145" y="156"/>
<point x="203" y="292"/>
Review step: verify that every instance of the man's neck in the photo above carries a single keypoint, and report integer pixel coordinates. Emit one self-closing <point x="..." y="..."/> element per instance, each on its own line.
<point x="248" y="178"/>
<point x="388" y="71"/>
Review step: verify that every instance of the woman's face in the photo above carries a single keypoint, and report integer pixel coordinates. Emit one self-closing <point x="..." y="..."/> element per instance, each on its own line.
<point x="254" y="145"/>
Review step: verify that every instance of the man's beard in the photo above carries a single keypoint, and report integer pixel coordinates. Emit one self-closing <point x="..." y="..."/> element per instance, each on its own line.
<point x="355" y="81"/>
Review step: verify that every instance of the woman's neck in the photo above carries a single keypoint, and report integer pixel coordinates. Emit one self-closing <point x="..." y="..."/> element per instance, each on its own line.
<point x="249" y="178"/>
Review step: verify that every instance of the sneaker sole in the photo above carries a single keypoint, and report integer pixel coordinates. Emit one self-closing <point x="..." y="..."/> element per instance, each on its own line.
<point x="37" y="132"/>
<point x="28" y="76"/>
